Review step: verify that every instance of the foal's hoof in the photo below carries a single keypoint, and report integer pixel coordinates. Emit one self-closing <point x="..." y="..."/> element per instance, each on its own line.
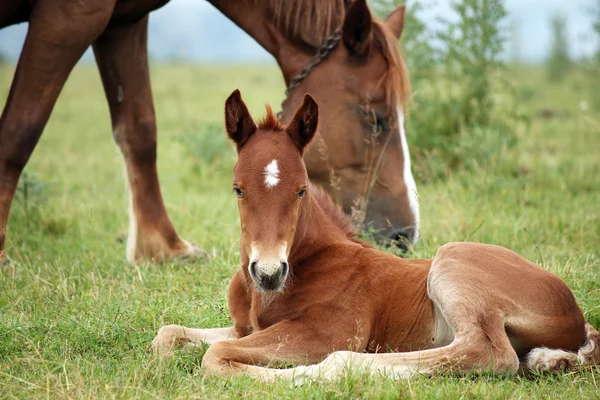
<point x="167" y="339"/>
<point x="192" y="253"/>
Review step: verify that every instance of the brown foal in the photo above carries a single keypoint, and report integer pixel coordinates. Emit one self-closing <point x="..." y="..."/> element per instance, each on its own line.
<point x="309" y="292"/>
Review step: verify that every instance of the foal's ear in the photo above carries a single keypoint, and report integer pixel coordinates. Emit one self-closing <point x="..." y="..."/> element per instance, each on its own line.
<point x="395" y="21"/>
<point x="357" y="31"/>
<point x="303" y="126"/>
<point x="238" y="122"/>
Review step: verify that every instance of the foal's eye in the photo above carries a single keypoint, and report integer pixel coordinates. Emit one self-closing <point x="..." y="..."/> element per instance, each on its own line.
<point x="238" y="192"/>
<point x="301" y="193"/>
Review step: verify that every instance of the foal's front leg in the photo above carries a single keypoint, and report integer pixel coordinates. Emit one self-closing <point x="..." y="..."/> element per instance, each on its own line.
<point x="171" y="336"/>
<point x="285" y="343"/>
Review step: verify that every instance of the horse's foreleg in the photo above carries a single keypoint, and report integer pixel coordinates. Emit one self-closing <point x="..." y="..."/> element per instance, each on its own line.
<point x="170" y="336"/>
<point x="121" y="54"/>
<point x="56" y="39"/>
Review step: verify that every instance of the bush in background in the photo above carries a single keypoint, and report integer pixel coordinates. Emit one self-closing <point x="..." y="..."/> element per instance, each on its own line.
<point x="594" y="64"/>
<point x="464" y="111"/>
<point x="207" y="147"/>
<point x="559" y="62"/>
<point x="596" y="30"/>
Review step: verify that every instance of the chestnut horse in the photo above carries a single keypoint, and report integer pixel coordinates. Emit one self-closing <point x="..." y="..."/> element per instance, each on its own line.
<point x="308" y="289"/>
<point x="362" y="85"/>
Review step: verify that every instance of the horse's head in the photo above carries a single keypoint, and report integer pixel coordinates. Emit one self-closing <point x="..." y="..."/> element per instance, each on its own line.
<point x="271" y="182"/>
<point x="362" y="89"/>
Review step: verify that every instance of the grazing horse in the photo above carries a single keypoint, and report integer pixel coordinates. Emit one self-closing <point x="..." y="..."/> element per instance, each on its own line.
<point x="362" y="84"/>
<point x="308" y="290"/>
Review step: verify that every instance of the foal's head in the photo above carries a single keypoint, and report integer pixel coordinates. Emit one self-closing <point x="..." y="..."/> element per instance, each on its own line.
<point x="271" y="182"/>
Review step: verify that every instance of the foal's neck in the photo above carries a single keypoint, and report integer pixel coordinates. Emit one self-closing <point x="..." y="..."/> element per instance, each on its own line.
<point x="315" y="231"/>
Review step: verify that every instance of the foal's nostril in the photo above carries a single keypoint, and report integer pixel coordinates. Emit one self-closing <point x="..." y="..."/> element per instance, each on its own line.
<point x="253" y="271"/>
<point x="284" y="268"/>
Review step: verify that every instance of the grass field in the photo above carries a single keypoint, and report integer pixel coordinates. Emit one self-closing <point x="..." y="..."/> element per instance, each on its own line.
<point x="76" y="320"/>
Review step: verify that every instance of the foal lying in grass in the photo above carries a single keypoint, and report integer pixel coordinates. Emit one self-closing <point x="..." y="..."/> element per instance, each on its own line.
<point x="308" y="291"/>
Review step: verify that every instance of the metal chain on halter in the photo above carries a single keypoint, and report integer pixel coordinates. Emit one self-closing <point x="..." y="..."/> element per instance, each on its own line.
<point x="325" y="49"/>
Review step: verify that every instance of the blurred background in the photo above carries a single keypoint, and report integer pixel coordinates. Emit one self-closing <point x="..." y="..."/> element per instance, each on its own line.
<point x="193" y="30"/>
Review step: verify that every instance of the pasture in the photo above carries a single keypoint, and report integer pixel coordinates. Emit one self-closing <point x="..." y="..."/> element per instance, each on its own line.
<point x="76" y="320"/>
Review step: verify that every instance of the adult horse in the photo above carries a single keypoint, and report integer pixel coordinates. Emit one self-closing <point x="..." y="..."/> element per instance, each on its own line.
<point x="362" y="86"/>
<point x="307" y="289"/>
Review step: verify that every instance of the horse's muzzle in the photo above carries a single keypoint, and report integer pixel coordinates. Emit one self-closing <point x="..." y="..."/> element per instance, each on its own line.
<point x="401" y="239"/>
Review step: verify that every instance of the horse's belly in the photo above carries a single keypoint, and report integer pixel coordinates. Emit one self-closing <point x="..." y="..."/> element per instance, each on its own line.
<point x="14" y="12"/>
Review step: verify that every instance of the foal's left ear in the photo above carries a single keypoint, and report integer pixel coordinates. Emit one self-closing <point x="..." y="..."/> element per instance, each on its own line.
<point x="395" y="21"/>
<point x="303" y="126"/>
<point x="238" y="122"/>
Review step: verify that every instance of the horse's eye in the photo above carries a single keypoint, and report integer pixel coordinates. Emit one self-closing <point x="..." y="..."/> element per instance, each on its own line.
<point x="380" y="123"/>
<point x="238" y="192"/>
<point x="301" y="193"/>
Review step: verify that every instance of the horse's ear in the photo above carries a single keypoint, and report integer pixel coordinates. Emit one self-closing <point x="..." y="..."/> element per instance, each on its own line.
<point x="303" y="126"/>
<point x="357" y="30"/>
<point x="238" y="122"/>
<point x="395" y="21"/>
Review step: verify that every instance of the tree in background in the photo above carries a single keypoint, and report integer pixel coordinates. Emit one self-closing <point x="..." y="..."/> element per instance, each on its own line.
<point x="463" y="110"/>
<point x="516" y="43"/>
<point x="592" y="67"/>
<point x="471" y="52"/>
<point x="596" y="29"/>
<point x="559" y="62"/>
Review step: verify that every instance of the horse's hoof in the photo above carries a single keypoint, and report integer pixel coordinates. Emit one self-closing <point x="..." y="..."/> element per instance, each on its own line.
<point x="5" y="262"/>
<point x="193" y="253"/>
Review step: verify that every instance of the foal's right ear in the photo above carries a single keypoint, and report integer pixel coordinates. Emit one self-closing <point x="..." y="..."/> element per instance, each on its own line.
<point x="238" y="122"/>
<point x="303" y="126"/>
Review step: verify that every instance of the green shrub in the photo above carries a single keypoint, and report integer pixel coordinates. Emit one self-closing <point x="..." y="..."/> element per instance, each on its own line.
<point x="207" y="147"/>
<point x="559" y="62"/>
<point x="460" y="87"/>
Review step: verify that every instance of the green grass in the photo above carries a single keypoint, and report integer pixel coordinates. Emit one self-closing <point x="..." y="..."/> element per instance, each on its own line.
<point x="76" y="320"/>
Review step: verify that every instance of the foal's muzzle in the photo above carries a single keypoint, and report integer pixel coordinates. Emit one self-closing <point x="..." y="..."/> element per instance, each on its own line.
<point x="269" y="279"/>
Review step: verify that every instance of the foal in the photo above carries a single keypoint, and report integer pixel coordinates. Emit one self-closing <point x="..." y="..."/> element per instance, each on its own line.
<point x="307" y="288"/>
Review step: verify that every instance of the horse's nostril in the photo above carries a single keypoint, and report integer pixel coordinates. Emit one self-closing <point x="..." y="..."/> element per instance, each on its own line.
<point x="401" y="240"/>
<point x="401" y="236"/>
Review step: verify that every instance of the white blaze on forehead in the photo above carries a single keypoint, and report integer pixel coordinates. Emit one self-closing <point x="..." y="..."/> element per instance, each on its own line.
<point x="409" y="181"/>
<point x="272" y="174"/>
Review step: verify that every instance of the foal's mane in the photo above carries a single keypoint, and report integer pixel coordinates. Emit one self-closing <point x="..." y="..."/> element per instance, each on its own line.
<point x="334" y="211"/>
<point x="311" y="22"/>
<point x="270" y="122"/>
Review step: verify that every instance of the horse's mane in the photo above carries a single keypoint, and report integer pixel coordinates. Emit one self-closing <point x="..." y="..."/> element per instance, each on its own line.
<point x="308" y="21"/>
<point x="311" y="22"/>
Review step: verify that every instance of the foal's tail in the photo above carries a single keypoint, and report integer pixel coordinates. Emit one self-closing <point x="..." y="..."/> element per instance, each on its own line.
<point x="544" y="359"/>
<point x="589" y="352"/>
